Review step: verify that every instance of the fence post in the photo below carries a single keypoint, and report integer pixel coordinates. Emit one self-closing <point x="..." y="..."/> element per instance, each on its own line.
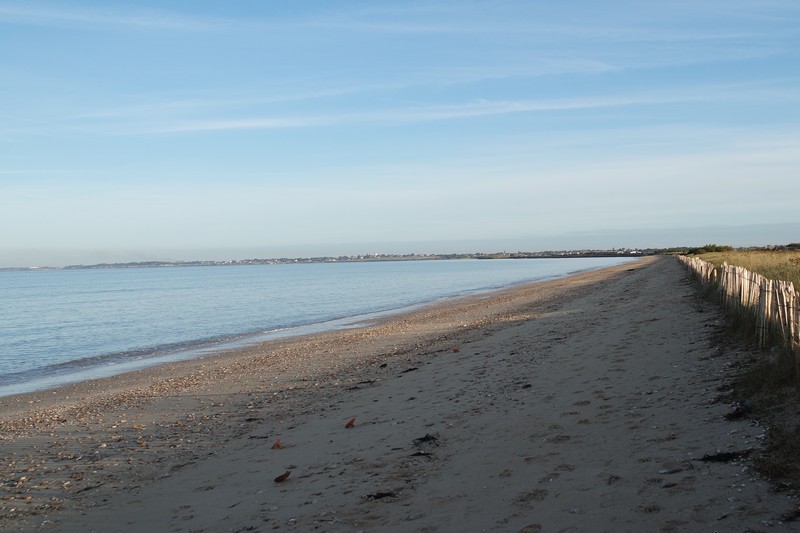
<point x="793" y="326"/>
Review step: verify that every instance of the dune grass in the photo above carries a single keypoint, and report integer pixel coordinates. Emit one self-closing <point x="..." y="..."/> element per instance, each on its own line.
<point x="782" y="265"/>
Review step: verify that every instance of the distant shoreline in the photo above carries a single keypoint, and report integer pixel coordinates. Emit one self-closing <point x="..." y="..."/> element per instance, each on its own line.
<point x="347" y="259"/>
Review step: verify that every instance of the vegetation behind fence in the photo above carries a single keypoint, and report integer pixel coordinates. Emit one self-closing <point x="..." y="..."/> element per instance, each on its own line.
<point x="773" y="304"/>
<point x="772" y="264"/>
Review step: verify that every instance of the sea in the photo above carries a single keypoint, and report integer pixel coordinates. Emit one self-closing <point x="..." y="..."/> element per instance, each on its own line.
<point x="63" y="326"/>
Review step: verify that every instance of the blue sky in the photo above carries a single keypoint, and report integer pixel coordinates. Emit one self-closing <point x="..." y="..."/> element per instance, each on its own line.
<point x="197" y="129"/>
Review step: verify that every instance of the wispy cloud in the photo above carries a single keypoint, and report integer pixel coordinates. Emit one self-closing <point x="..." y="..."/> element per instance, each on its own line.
<point x="419" y="114"/>
<point x="106" y="18"/>
<point x="158" y="105"/>
<point x="147" y="105"/>
<point x="186" y="116"/>
<point x="264" y="123"/>
<point x="655" y="23"/>
<point x="230" y="112"/>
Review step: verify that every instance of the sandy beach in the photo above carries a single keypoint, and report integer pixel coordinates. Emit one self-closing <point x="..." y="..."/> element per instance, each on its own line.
<point x="581" y="404"/>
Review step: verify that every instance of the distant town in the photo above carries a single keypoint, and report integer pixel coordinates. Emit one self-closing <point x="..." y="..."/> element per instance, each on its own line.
<point x="622" y="252"/>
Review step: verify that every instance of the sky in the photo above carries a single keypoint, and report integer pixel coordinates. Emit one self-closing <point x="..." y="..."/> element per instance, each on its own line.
<point x="152" y="130"/>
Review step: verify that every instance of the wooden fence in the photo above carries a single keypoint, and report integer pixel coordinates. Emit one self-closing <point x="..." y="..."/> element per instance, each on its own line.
<point x="774" y="304"/>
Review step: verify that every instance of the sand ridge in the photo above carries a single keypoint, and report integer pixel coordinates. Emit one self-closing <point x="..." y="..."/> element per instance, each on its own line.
<point x="582" y="404"/>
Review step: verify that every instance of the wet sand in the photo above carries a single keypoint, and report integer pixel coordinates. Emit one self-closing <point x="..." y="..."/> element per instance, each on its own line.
<point x="580" y="404"/>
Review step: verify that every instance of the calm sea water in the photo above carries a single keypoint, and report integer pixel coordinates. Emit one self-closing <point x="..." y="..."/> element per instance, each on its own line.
<point x="61" y="326"/>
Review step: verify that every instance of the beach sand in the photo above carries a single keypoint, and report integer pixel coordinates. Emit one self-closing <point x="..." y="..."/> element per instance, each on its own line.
<point x="580" y="404"/>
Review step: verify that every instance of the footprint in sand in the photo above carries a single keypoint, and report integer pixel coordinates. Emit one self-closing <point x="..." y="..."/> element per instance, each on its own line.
<point x="671" y="526"/>
<point x="531" y="496"/>
<point x="685" y="484"/>
<point x="538" y="459"/>
<point x="549" y="478"/>
<point x="649" y="508"/>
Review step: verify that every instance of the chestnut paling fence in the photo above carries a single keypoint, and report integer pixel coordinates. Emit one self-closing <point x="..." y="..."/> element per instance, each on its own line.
<point x="774" y="304"/>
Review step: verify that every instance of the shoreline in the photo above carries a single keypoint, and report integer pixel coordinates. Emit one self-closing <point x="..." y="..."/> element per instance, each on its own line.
<point x="245" y="342"/>
<point x="460" y="407"/>
<point x="148" y="354"/>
